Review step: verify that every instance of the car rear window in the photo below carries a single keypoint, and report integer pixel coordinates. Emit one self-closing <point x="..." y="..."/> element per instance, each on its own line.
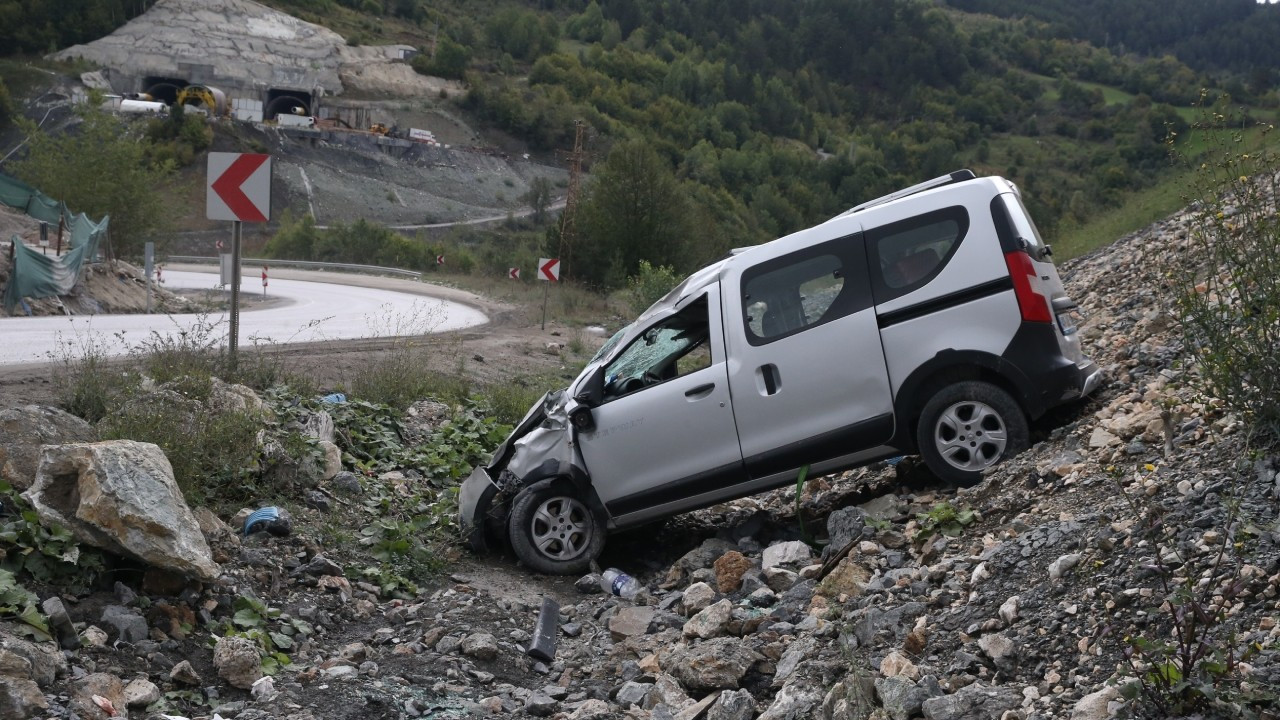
<point x="908" y="253"/>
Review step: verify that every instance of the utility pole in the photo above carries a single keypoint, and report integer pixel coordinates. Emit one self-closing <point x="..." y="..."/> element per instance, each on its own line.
<point x="568" y="225"/>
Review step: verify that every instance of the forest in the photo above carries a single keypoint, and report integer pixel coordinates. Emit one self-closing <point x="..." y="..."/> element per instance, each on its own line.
<point x="752" y="119"/>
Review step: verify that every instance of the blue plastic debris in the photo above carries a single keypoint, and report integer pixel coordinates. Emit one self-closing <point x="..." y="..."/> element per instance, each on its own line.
<point x="894" y="460"/>
<point x="272" y="519"/>
<point x="334" y="399"/>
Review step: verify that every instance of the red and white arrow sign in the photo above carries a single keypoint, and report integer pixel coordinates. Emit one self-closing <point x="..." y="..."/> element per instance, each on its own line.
<point x="239" y="187"/>
<point x="513" y="273"/>
<point x="549" y="269"/>
<point x="439" y="259"/>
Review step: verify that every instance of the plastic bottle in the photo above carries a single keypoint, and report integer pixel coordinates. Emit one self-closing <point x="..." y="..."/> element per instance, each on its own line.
<point x="619" y="583"/>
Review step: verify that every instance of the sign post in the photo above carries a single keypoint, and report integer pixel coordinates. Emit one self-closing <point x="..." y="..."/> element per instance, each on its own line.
<point x="148" y="257"/>
<point x="549" y="270"/>
<point x="264" y="281"/>
<point x="238" y="189"/>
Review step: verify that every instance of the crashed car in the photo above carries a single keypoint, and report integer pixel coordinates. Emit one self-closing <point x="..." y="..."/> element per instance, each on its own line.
<point x="929" y="321"/>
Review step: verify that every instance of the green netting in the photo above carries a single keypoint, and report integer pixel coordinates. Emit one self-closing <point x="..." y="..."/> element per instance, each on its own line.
<point x="36" y="275"/>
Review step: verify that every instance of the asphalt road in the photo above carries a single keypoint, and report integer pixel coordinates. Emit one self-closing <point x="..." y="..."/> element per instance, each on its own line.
<point x="306" y="312"/>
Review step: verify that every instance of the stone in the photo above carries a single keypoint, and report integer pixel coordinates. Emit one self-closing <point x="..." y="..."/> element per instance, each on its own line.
<point x="588" y="584"/>
<point x="94" y="636"/>
<point x="998" y="647"/>
<point x="973" y="702"/>
<point x="184" y="673"/>
<point x="884" y="507"/>
<point x="592" y="710"/>
<point x="61" y="623"/>
<point x="103" y="685"/>
<point x="237" y="661"/>
<point x="140" y="692"/>
<point x="792" y="702"/>
<point x="1009" y="610"/>
<point x="800" y="651"/>
<point x="120" y="496"/>
<point x="1100" y="438"/>
<point x="630" y="621"/>
<point x="21" y="699"/>
<point x="895" y="664"/>
<point x="844" y="526"/>
<point x="762" y="598"/>
<point x="129" y="624"/>
<point x="703" y="556"/>
<point x="900" y="697"/>
<point x="319" y="426"/>
<point x="849" y="578"/>
<point x="710" y="622"/>
<point x="695" y="710"/>
<point x="481" y="646"/>
<point x="227" y="397"/>
<point x="730" y="567"/>
<point x="316" y="499"/>
<point x="794" y="553"/>
<point x="47" y="663"/>
<point x="697" y="597"/>
<point x="346" y="483"/>
<point x="321" y="566"/>
<point x="214" y="530"/>
<point x="1062" y="565"/>
<point x="711" y="665"/>
<point x="423" y="418"/>
<point x="540" y="704"/>
<point x="332" y="460"/>
<point x="23" y="430"/>
<point x="633" y="693"/>
<point x="668" y="691"/>
<point x="733" y="705"/>
<point x="1095" y="705"/>
<point x="779" y="580"/>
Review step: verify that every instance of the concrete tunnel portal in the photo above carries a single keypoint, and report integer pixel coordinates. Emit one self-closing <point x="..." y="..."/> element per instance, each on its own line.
<point x="283" y="102"/>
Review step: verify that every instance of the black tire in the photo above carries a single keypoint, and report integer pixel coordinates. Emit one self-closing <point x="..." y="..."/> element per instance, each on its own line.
<point x="968" y="427"/>
<point x="553" y="530"/>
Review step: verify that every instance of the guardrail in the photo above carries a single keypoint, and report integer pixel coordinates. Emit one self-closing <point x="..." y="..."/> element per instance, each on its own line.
<point x="304" y="264"/>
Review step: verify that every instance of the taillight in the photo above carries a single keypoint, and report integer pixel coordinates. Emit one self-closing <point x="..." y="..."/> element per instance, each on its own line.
<point x="1034" y="306"/>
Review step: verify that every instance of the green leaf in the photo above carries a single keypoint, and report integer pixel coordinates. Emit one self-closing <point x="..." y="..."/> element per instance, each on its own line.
<point x="247" y="618"/>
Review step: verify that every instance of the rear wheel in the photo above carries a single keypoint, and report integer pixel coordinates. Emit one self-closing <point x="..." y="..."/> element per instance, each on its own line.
<point x="552" y="529"/>
<point x="968" y="427"/>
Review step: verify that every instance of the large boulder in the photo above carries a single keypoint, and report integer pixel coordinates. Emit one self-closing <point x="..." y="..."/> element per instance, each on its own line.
<point x="24" y="429"/>
<point x="120" y="496"/>
<point x="712" y="665"/>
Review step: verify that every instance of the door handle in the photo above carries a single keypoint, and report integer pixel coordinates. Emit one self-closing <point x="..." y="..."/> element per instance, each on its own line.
<point x="700" y="391"/>
<point x="769" y="374"/>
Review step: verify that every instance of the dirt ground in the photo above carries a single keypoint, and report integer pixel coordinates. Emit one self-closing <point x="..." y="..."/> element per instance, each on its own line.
<point x="504" y="349"/>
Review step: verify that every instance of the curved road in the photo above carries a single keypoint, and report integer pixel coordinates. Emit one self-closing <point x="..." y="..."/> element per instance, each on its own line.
<point x="310" y="311"/>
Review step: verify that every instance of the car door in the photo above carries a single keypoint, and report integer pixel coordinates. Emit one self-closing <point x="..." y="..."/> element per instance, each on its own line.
<point x="665" y="430"/>
<point x="806" y="366"/>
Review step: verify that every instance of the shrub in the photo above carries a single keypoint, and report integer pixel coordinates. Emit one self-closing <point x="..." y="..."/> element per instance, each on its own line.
<point x="649" y="284"/>
<point x="1227" y="282"/>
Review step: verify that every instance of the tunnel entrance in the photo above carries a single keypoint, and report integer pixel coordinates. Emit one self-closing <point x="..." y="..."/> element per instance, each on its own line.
<point x="283" y="102"/>
<point x="163" y="89"/>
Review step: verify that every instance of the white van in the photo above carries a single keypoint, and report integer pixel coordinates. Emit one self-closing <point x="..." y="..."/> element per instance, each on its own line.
<point x="931" y="320"/>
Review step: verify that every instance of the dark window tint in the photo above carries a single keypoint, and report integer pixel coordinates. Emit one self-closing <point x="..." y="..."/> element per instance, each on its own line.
<point x="788" y="294"/>
<point x="907" y="254"/>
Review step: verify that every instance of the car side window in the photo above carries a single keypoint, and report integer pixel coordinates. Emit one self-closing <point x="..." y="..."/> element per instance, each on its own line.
<point x="670" y="348"/>
<point x="907" y="254"/>
<point x="789" y="294"/>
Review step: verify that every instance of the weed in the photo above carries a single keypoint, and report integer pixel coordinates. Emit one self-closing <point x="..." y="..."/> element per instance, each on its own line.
<point x="271" y="631"/>
<point x="945" y="518"/>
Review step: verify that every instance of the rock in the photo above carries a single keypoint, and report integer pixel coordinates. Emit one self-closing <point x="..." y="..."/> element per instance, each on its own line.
<point x="696" y="709"/>
<point x="895" y="664"/>
<point x="120" y="495"/>
<point x="346" y="483"/>
<point x="316" y="499"/>
<point x="710" y="622"/>
<point x="103" y="685"/>
<point x="792" y="703"/>
<point x="45" y="661"/>
<point x="697" y="597"/>
<point x="214" y="530"/>
<point x="712" y="665"/>
<point x="319" y="425"/>
<point x="730" y="567"/>
<point x="184" y="673"/>
<point x="1059" y="567"/>
<point x="630" y="621"/>
<point x="94" y="636"/>
<point x="129" y="624"/>
<point x="669" y="692"/>
<point x="900" y="697"/>
<point x="592" y="710"/>
<point x="794" y="553"/>
<point x="800" y="651"/>
<point x="633" y="693"/>
<point x="230" y="397"/>
<point x="321" y="566"/>
<point x="540" y="704"/>
<point x="481" y="646"/>
<point x="844" y="526"/>
<point x="588" y="584"/>
<point x="332" y="460"/>
<point x="1102" y="439"/>
<point x="973" y="702"/>
<point x="61" y="623"/>
<point x="237" y="661"/>
<point x="998" y="647"/>
<point x="23" y="430"/>
<point x="698" y="558"/>
<point x="21" y="699"/>
<point x="733" y="705"/>
<point x="1009" y="610"/>
<point x="779" y="579"/>
<point x="423" y="418"/>
<point x="849" y="578"/>
<point x="1095" y="705"/>
<point x="140" y="692"/>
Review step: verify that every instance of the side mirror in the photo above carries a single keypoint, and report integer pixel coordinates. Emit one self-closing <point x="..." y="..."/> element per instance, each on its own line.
<point x="592" y="393"/>
<point x="582" y="419"/>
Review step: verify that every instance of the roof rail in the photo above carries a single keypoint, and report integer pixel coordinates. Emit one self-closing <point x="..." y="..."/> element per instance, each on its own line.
<point x="955" y="177"/>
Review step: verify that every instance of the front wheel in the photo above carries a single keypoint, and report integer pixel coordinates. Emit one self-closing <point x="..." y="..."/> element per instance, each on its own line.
<point x="553" y="531"/>
<point x="968" y="427"/>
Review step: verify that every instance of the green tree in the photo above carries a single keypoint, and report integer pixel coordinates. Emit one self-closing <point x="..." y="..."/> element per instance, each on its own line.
<point x="74" y="167"/>
<point x="633" y="210"/>
<point x="539" y="198"/>
<point x="6" y="105"/>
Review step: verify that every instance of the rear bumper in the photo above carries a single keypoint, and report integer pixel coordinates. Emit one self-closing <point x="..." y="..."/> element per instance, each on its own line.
<point x="474" y="497"/>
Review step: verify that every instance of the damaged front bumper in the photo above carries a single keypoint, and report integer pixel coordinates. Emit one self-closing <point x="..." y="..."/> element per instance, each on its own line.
<point x="475" y="496"/>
